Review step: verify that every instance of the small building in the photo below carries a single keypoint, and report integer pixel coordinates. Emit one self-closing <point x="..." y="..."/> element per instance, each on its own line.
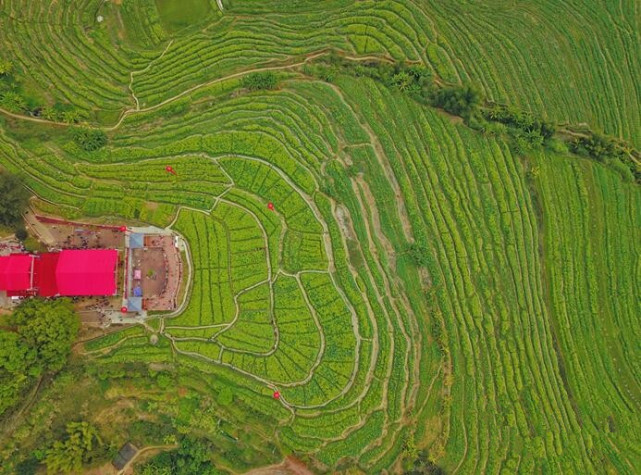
<point x="124" y="456"/>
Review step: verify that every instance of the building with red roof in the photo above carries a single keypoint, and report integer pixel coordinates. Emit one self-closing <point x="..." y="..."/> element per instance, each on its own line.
<point x="70" y="273"/>
<point x="16" y="272"/>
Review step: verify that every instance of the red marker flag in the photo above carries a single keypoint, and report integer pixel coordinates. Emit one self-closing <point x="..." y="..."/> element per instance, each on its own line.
<point x="270" y="205"/>
<point x="124" y="309"/>
<point x="123" y="229"/>
<point x="276" y="395"/>
<point x="170" y="170"/>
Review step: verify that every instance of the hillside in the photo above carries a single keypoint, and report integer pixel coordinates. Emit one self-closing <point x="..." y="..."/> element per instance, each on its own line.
<point x="421" y="283"/>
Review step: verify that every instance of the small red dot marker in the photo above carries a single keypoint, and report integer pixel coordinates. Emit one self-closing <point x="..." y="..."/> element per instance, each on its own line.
<point x="169" y="169"/>
<point x="123" y="229"/>
<point x="270" y="205"/>
<point x="124" y="309"/>
<point x="276" y="395"/>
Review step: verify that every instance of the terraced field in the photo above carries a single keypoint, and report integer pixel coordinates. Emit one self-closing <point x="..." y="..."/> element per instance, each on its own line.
<point x="508" y="344"/>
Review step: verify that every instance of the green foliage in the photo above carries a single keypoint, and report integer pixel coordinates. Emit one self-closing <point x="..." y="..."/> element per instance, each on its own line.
<point x="21" y="234"/>
<point x="420" y="255"/>
<point x="16" y="361"/>
<point x="48" y="328"/>
<point x="14" y="200"/>
<point x="81" y="446"/>
<point x="89" y="140"/>
<point x="226" y="396"/>
<point x="260" y="81"/>
<point x="13" y="101"/>
<point x="521" y="120"/>
<point x="463" y="101"/>
<point x="6" y="67"/>
<point x="414" y="80"/>
<point x="192" y="456"/>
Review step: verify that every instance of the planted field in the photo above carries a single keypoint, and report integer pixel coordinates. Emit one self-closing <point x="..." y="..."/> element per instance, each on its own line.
<point x="369" y="277"/>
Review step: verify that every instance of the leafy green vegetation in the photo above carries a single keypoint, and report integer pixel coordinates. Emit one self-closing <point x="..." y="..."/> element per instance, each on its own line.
<point x="257" y="81"/>
<point x="89" y="140"/>
<point x="38" y="342"/>
<point x="79" y="448"/>
<point x="15" y="198"/>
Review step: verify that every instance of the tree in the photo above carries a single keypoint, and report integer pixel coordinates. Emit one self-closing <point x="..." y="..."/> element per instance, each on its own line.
<point x="48" y="327"/>
<point x="78" y="448"/>
<point x="21" y="234"/>
<point x="15" y="198"/>
<point x="463" y="101"/>
<point x="193" y="456"/>
<point x="89" y="139"/>
<point x="15" y="360"/>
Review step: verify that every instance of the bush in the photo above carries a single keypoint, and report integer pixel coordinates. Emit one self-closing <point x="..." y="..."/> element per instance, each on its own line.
<point x="463" y="101"/>
<point x="21" y="234"/>
<point x="90" y="140"/>
<point x="260" y="81"/>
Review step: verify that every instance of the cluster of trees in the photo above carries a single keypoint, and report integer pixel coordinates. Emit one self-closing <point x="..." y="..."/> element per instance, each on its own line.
<point x="265" y="80"/>
<point x="38" y="341"/>
<point x="89" y="139"/>
<point x="192" y="456"/>
<point x="80" y="446"/>
<point x="463" y="101"/>
<point x="597" y="146"/>
<point x="522" y="120"/>
<point x="413" y="79"/>
<point x="610" y="150"/>
<point x="15" y="198"/>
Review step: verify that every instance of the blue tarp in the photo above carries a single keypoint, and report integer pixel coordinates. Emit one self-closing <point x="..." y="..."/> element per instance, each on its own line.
<point x="137" y="291"/>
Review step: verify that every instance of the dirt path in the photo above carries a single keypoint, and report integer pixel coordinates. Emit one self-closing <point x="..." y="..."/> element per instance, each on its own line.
<point x="289" y="466"/>
<point x="143" y="451"/>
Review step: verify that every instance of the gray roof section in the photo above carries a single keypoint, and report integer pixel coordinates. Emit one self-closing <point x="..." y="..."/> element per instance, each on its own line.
<point x="127" y="452"/>
<point x="136" y="241"/>
<point x="134" y="304"/>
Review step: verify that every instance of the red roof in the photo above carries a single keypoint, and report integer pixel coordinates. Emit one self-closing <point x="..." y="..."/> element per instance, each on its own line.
<point x="66" y="273"/>
<point x="44" y="278"/>
<point x="15" y="272"/>
<point x="87" y="272"/>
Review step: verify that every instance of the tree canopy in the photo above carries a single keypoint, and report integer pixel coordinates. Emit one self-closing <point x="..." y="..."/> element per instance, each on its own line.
<point x="43" y="331"/>
<point x="48" y="327"/>
<point x="14" y="200"/>
<point x="463" y="101"/>
<point x="89" y="139"/>
<point x="193" y="456"/>
<point x="79" y="447"/>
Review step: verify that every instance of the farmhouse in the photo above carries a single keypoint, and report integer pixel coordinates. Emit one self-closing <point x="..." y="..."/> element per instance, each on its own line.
<point x="70" y="273"/>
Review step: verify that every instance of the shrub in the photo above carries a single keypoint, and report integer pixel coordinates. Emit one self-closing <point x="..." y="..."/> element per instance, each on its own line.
<point x="90" y="140"/>
<point x="260" y="81"/>
<point x="21" y="234"/>
<point x="463" y="101"/>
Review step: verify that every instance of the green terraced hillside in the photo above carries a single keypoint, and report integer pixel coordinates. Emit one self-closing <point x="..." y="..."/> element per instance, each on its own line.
<point x="428" y="294"/>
